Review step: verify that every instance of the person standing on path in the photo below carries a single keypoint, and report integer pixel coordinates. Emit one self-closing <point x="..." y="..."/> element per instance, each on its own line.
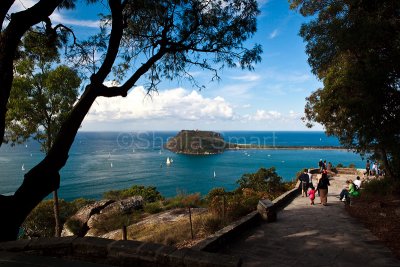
<point x="322" y="187"/>
<point x="304" y="178"/>
<point x="311" y="194"/>
<point x="320" y="165"/>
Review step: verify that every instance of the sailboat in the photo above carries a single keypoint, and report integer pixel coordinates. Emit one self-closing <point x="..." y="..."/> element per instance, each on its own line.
<point x="214" y="174"/>
<point x="111" y="165"/>
<point x="23" y="167"/>
<point x="168" y="161"/>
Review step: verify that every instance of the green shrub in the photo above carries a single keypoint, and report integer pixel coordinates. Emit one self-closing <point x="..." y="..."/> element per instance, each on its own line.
<point x="74" y="226"/>
<point x="183" y="200"/>
<point x="81" y="202"/>
<point x="383" y="187"/>
<point x="340" y="165"/>
<point x="149" y="193"/>
<point x="211" y="223"/>
<point x="115" y="221"/>
<point x="41" y="223"/>
<point x="153" y="207"/>
<point x="352" y="165"/>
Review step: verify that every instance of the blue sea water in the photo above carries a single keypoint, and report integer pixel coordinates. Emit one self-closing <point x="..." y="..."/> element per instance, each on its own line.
<point x="102" y="161"/>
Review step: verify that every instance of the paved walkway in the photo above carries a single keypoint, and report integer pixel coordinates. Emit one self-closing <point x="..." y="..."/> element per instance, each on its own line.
<point x="306" y="235"/>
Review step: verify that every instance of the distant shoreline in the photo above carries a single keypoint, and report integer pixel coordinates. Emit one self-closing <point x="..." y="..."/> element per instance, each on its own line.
<point x="257" y="147"/>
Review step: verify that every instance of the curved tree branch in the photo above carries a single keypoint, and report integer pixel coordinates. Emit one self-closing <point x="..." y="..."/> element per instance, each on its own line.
<point x="117" y="27"/>
<point x="20" y="22"/>
<point x="4" y="7"/>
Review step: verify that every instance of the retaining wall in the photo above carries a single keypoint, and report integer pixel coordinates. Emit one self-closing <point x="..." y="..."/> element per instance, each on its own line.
<point x="118" y="253"/>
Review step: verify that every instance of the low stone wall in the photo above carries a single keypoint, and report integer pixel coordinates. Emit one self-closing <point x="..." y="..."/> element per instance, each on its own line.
<point x="232" y="231"/>
<point x="118" y="253"/>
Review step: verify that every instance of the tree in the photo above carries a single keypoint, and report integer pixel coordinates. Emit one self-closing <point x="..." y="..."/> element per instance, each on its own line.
<point x="264" y="180"/>
<point x="41" y="97"/>
<point x="354" y="48"/>
<point x="165" y="37"/>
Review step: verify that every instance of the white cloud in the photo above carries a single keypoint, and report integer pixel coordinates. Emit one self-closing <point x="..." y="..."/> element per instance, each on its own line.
<point x="273" y="34"/>
<point x="173" y="104"/>
<point x="265" y="115"/>
<point x="247" y="77"/>
<point x="56" y="17"/>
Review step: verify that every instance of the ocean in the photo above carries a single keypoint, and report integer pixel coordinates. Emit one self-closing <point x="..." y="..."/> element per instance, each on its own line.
<point x="103" y="161"/>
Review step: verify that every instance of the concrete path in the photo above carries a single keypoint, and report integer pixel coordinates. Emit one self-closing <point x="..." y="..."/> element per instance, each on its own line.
<point x="306" y="235"/>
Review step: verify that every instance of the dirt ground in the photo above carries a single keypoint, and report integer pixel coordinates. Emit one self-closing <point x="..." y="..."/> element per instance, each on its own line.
<point x="381" y="216"/>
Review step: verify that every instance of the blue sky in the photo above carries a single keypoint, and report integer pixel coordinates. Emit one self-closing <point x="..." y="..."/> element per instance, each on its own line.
<point x="272" y="97"/>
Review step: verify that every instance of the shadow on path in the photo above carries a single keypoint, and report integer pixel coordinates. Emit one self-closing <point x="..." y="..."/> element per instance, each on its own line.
<point x="306" y="235"/>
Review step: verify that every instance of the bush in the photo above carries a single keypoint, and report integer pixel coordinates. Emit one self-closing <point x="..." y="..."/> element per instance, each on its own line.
<point x="340" y="165"/>
<point x="149" y="193"/>
<point x="183" y="200"/>
<point x="383" y="187"/>
<point x="153" y="208"/>
<point x="75" y="226"/>
<point x="41" y="223"/>
<point x="352" y="165"/>
<point x="211" y="223"/>
<point x="115" y="221"/>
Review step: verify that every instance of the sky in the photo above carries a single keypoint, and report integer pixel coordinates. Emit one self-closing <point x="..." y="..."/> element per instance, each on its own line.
<point x="270" y="98"/>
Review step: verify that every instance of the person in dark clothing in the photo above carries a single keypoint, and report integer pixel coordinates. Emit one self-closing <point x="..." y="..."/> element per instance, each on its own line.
<point x="304" y="180"/>
<point x="321" y="165"/>
<point x="322" y="187"/>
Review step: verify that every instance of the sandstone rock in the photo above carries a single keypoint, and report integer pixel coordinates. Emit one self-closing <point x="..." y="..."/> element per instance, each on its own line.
<point x="82" y="217"/>
<point x="128" y="205"/>
<point x="84" y="213"/>
<point x="87" y="217"/>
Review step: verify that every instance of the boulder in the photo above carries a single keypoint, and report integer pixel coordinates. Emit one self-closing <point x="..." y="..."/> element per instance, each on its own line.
<point x="130" y="204"/>
<point x="81" y="218"/>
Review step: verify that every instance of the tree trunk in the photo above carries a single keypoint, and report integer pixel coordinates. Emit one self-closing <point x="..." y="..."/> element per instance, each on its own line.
<point x="44" y="178"/>
<point x="56" y="214"/>
<point x="388" y="167"/>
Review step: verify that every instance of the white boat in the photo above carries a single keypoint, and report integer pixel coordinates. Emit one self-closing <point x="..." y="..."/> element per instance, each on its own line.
<point x="160" y="152"/>
<point x="111" y="165"/>
<point x="168" y="161"/>
<point x="214" y="174"/>
<point x="23" y="167"/>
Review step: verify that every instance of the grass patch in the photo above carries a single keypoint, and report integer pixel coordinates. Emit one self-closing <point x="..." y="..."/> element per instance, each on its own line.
<point x="115" y="221"/>
<point x="173" y="233"/>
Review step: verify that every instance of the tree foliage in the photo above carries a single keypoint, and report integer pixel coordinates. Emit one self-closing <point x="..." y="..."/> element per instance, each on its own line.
<point x="354" y="48"/>
<point x="264" y="180"/>
<point x="149" y="193"/>
<point x="42" y="96"/>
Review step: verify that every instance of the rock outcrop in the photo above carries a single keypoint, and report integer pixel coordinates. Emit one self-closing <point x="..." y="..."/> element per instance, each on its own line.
<point x="84" y="221"/>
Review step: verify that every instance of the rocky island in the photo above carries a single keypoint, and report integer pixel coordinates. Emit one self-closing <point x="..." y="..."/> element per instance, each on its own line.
<point x="197" y="142"/>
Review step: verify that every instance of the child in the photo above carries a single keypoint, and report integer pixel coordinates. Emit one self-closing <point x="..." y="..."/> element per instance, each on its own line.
<point x="311" y="194"/>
